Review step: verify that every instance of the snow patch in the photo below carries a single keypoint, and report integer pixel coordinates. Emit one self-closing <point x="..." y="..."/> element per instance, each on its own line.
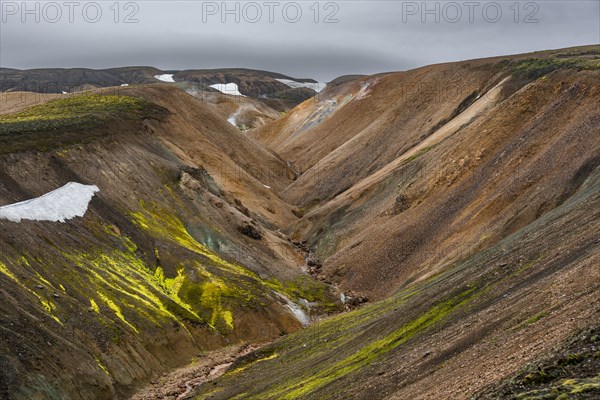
<point x="64" y="203"/>
<point x="227" y="88"/>
<point x="165" y="78"/>
<point x="316" y="86"/>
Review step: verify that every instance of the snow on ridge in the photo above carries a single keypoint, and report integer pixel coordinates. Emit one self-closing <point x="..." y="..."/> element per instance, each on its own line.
<point x="227" y="88"/>
<point x="66" y="202"/>
<point x="165" y="78"/>
<point x="316" y="86"/>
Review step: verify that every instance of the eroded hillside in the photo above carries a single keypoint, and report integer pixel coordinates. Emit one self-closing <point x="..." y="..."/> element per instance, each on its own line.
<point x="470" y="191"/>
<point x="461" y="201"/>
<point x="168" y="261"/>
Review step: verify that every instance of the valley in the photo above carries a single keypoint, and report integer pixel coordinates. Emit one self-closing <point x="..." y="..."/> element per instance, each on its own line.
<point x="241" y="234"/>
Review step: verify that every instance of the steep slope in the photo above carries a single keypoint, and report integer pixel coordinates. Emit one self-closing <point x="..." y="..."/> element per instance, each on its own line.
<point x="570" y="370"/>
<point x="174" y="256"/>
<point x="465" y="193"/>
<point x="243" y="112"/>
<point x="492" y="165"/>
<point x="462" y="200"/>
<point x="355" y="128"/>
<point x="449" y="336"/>
<point x="484" y="225"/>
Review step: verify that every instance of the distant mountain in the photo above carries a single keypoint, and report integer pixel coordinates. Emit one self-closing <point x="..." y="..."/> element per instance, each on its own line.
<point x="262" y="85"/>
<point x="452" y="210"/>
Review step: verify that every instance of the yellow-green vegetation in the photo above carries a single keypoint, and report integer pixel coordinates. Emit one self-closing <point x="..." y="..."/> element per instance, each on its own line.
<point x="120" y="286"/>
<point x="123" y="281"/>
<point x="565" y="389"/>
<point x="530" y="321"/>
<point x="330" y="350"/>
<point x="102" y="367"/>
<point x="72" y="109"/>
<point x="48" y="305"/>
<point x="538" y="67"/>
<point x="65" y="121"/>
<point x="94" y="306"/>
<point x="223" y="285"/>
<point x="117" y="310"/>
<point x="307" y="288"/>
<point x="165" y="225"/>
<point x="77" y="106"/>
<point x="369" y="353"/>
<point x="253" y="362"/>
<point x="4" y="269"/>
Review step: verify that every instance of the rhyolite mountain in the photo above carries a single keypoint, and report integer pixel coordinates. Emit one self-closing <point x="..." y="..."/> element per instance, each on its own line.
<point x="452" y="210"/>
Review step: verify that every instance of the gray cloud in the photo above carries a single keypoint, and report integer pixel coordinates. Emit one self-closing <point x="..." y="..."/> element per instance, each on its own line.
<point x="369" y="36"/>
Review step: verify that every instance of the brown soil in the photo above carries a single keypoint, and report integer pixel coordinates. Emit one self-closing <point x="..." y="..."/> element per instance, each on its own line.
<point x="461" y="200"/>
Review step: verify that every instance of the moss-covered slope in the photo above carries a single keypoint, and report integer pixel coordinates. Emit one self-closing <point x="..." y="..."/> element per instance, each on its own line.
<point x="154" y="274"/>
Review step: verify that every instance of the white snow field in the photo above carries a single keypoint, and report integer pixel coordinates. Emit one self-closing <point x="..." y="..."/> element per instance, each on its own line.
<point x="64" y="203"/>
<point x="165" y="78"/>
<point x="316" y="86"/>
<point x="227" y="88"/>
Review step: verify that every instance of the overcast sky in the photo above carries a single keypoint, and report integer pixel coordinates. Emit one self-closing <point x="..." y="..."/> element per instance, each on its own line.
<point x="343" y="37"/>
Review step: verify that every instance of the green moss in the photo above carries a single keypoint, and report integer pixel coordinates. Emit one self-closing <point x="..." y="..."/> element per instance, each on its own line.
<point x="4" y="269"/>
<point x="163" y="224"/>
<point x="213" y="291"/>
<point x="70" y="111"/>
<point x="537" y="378"/>
<point x="420" y="153"/>
<point x="530" y="321"/>
<point x="48" y="305"/>
<point x="536" y="68"/>
<point x="66" y="121"/>
<point x="253" y="362"/>
<point x="224" y="285"/>
<point x="307" y="288"/>
<point x="117" y="310"/>
<point x="123" y="273"/>
<point x="571" y="359"/>
<point x="366" y="355"/>
<point x="102" y="367"/>
<point x="94" y="306"/>
<point x="565" y="389"/>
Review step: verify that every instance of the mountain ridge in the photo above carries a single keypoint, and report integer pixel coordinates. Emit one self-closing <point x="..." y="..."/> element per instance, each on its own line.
<point x="451" y="210"/>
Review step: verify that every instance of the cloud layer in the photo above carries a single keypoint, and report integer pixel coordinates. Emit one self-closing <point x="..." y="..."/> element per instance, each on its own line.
<point x="295" y="38"/>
